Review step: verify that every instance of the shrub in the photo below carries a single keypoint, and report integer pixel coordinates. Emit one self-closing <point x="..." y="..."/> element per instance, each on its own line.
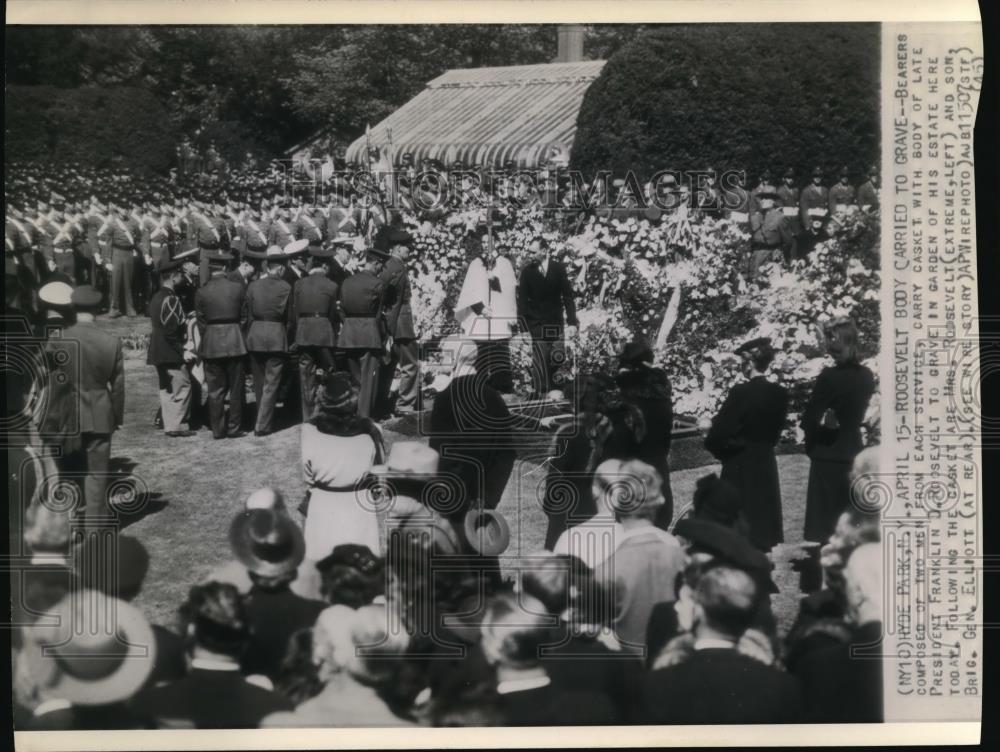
<point x="743" y="96"/>
<point x="90" y="125"/>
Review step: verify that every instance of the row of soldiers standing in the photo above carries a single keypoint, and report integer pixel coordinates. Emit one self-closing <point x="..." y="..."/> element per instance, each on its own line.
<point x="282" y="305"/>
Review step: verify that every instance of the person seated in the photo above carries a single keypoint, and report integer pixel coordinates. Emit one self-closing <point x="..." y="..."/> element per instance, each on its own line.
<point x="271" y="547"/>
<point x="213" y="694"/>
<point x="642" y="571"/>
<point x="73" y="678"/>
<point x="585" y="649"/>
<point x="717" y="683"/>
<point x="514" y="633"/>
<point x="842" y="683"/>
<point x="354" y="652"/>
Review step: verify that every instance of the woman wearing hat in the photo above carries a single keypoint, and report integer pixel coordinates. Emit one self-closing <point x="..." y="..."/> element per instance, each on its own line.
<point x="339" y="447"/>
<point x="743" y="436"/>
<point x="832" y="425"/>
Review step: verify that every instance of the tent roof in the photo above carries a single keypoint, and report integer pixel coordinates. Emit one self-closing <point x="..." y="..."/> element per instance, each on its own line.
<point x="488" y="115"/>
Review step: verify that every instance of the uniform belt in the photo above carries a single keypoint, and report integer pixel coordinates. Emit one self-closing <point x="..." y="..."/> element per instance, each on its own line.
<point x="312" y="315"/>
<point x="122" y="247"/>
<point x="360" y="315"/>
<point x="269" y="321"/>
<point x="223" y="321"/>
<point x="62" y="250"/>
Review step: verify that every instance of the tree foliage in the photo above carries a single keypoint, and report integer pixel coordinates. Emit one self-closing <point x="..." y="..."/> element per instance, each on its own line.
<point x="744" y="96"/>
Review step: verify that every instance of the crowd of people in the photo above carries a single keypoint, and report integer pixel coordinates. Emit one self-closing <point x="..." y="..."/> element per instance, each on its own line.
<point x="385" y="596"/>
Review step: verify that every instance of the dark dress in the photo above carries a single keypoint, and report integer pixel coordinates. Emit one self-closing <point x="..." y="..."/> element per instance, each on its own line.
<point x="568" y="499"/>
<point x="275" y="615"/>
<point x="844" y="389"/>
<point x="743" y="436"/>
<point x="649" y="390"/>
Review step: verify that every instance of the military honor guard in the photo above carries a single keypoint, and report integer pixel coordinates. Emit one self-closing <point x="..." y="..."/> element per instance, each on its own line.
<point x="841" y="195"/>
<point x="814" y="199"/>
<point x="736" y="200"/>
<point x="219" y="313"/>
<point x="404" y="350"/>
<point x="868" y="190"/>
<point x="771" y="237"/>
<point x="362" y="335"/>
<point x="788" y="194"/>
<point x="267" y="304"/>
<point x="253" y="233"/>
<point x="167" y="352"/>
<point x="315" y="321"/>
<point x="743" y="436"/>
<point x="310" y="225"/>
<point x="121" y="235"/>
<point x="281" y="231"/>
<point x="764" y="184"/>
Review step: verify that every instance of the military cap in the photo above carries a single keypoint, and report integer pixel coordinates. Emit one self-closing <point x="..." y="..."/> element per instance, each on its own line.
<point x="85" y="296"/>
<point x="169" y="264"/>
<point x="56" y="294"/>
<point x="817" y="172"/>
<point x="843" y="172"/>
<point x="789" y="173"/>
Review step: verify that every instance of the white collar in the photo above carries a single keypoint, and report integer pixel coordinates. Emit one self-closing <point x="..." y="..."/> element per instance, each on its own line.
<point x="709" y="643"/>
<point x="215" y="664"/>
<point x="522" y="685"/>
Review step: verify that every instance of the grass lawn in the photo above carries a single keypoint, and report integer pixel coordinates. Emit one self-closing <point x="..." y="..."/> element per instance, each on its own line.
<point x="191" y="488"/>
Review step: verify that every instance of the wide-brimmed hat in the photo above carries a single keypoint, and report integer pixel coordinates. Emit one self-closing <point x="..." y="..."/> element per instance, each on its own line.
<point x="296" y="247"/>
<point x="723" y="542"/>
<point x="214" y="254"/>
<point x="167" y="265"/>
<point x="266" y="542"/>
<point x="487" y="531"/>
<point x="387" y="237"/>
<point x="56" y="294"/>
<point x="275" y="253"/>
<point x="409" y="460"/>
<point x="97" y="651"/>
<point x="85" y="296"/>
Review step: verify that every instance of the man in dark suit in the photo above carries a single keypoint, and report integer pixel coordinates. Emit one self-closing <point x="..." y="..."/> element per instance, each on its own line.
<point x="399" y="322"/>
<point x="90" y="369"/>
<point x="717" y="684"/>
<point x="544" y="293"/>
<point x="267" y="306"/>
<point x="771" y="236"/>
<point x="166" y="350"/>
<point x="220" y="315"/>
<point x="315" y="319"/>
<point x="743" y="436"/>
<point x="362" y="336"/>
<point x="842" y="683"/>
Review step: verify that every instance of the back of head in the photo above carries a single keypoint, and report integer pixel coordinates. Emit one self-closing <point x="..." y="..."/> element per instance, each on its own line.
<point x="564" y="585"/>
<point x="352" y="575"/>
<point x="359" y="642"/>
<point x="716" y="500"/>
<point x="514" y="631"/>
<point x="728" y="599"/>
<point x="632" y="490"/>
<point x="216" y="619"/>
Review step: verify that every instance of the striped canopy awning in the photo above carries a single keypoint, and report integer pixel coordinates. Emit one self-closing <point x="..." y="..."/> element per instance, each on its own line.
<point x="485" y="116"/>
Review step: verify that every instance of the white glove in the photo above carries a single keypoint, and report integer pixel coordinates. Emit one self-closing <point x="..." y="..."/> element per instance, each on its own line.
<point x="51" y="264"/>
<point x="571" y="331"/>
<point x="148" y="259"/>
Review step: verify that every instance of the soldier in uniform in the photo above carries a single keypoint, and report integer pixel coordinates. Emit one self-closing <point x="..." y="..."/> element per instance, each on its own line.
<point x="281" y="231"/>
<point x="399" y="322"/>
<point x="813" y="196"/>
<point x="868" y="190"/>
<point x="122" y="235"/>
<point x="156" y="240"/>
<point x="770" y="233"/>
<point x="219" y="311"/>
<point x="788" y="194"/>
<point x="252" y="236"/>
<point x="297" y="265"/>
<point x="90" y="372"/>
<point x="309" y="226"/>
<point x="736" y="201"/>
<point x="763" y="185"/>
<point x="315" y="319"/>
<point x="211" y="234"/>
<point x="362" y="336"/>
<point x="267" y="305"/>
<point x="167" y="352"/>
<point x="841" y="194"/>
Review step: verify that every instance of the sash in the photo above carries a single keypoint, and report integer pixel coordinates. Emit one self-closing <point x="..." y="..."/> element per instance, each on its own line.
<point x="21" y="229"/>
<point x="124" y="228"/>
<point x="312" y="224"/>
<point x="790" y="211"/>
<point x="284" y="227"/>
<point x="256" y="228"/>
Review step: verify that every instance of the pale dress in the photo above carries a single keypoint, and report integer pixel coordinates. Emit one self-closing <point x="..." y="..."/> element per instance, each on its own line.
<point x="337" y="517"/>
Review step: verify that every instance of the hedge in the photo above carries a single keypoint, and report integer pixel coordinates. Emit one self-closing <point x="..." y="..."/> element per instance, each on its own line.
<point x="744" y="96"/>
<point x="90" y="125"/>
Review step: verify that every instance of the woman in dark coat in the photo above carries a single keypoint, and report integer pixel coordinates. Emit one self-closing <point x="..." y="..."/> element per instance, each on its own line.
<point x="831" y="422"/>
<point x="743" y="436"/>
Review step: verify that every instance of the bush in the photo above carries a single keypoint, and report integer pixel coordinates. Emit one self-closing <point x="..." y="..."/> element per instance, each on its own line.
<point x="98" y="126"/>
<point x="743" y="96"/>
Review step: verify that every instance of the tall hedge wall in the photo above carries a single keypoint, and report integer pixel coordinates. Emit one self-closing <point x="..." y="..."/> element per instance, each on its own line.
<point x="735" y="96"/>
<point x="90" y="125"/>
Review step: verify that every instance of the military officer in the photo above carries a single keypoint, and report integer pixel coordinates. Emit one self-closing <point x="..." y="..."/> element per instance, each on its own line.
<point x="281" y="232"/>
<point x="67" y="239"/>
<point x="814" y="196"/>
<point x="253" y="233"/>
<point x="121" y="234"/>
<point x="788" y="194"/>
<point x="89" y="379"/>
<point x="267" y="306"/>
<point x="219" y="312"/>
<point x="156" y="241"/>
<point x="362" y="335"/>
<point x="167" y="352"/>
<point x="209" y="235"/>
<point x="841" y="194"/>
<point x="763" y="184"/>
<point x="399" y="322"/>
<point x="736" y="200"/>
<point x="316" y="320"/>
<point x="309" y="226"/>
<point x="868" y="190"/>
<point x="770" y="232"/>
